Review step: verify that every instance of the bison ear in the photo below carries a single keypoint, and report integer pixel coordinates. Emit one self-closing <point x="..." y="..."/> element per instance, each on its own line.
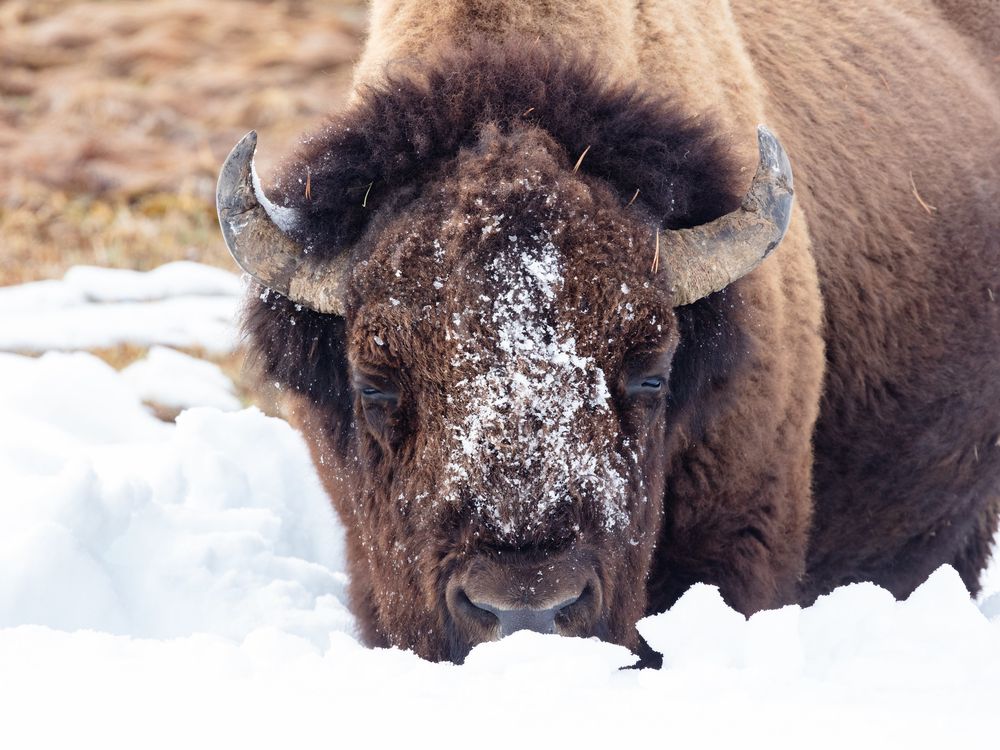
<point x="259" y="235"/>
<point x="710" y="257"/>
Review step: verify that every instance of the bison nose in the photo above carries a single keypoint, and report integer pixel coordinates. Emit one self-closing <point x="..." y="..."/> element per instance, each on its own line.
<point x="496" y="595"/>
<point x="525" y="618"/>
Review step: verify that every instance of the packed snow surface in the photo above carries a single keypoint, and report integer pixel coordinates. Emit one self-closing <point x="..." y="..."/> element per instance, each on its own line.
<point x="183" y="585"/>
<point x="178" y="304"/>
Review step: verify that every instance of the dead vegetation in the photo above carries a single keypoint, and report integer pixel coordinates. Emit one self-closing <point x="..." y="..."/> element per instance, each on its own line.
<point x="115" y="116"/>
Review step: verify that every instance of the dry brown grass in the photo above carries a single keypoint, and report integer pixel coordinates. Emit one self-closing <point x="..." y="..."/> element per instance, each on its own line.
<point x="115" y="116"/>
<point x="51" y="230"/>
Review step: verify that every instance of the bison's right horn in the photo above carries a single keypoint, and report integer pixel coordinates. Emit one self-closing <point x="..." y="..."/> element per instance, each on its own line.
<point x="257" y="233"/>
<point x="710" y="257"/>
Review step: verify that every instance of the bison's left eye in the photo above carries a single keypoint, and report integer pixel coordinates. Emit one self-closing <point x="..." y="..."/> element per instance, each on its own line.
<point x="375" y="392"/>
<point x="646" y="385"/>
<point x="646" y="375"/>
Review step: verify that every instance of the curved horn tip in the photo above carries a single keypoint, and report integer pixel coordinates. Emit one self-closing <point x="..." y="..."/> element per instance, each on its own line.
<point x="257" y="233"/>
<point x="234" y="174"/>
<point x="250" y="139"/>
<point x="772" y="155"/>
<point x="245" y="148"/>
<point x="243" y="151"/>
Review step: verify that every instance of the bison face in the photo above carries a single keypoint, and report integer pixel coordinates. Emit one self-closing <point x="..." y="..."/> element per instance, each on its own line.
<point x="510" y="361"/>
<point x="476" y="335"/>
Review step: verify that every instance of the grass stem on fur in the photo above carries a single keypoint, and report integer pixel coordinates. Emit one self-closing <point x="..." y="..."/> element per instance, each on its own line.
<point x="926" y="206"/>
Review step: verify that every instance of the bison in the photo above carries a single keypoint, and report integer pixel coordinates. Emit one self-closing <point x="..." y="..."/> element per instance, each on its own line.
<point x="562" y="344"/>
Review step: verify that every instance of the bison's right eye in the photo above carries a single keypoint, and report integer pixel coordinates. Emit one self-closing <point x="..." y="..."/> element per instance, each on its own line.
<point x="375" y="388"/>
<point x="380" y="408"/>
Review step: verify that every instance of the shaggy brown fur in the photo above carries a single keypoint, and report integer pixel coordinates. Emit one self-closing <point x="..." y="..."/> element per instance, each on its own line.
<point x="906" y="234"/>
<point x="453" y="187"/>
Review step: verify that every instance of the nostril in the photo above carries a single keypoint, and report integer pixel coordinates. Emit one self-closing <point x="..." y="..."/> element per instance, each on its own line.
<point x="465" y="608"/>
<point x="577" y="613"/>
<point x="567" y="606"/>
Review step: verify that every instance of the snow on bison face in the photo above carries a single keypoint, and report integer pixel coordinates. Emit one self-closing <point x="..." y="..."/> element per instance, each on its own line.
<point x="510" y="360"/>
<point x="476" y="336"/>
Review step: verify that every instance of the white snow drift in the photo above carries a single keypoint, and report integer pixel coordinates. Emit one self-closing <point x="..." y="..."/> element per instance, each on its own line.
<point x="171" y="378"/>
<point x="114" y="521"/>
<point x="183" y="585"/>
<point x="178" y="304"/>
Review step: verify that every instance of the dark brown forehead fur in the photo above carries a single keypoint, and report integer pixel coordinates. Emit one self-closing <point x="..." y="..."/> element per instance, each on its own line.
<point x="479" y="220"/>
<point x="373" y="161"/>
<point x="375" y="155"/>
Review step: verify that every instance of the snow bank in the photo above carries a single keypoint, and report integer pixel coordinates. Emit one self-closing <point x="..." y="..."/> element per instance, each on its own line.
<point x="179" y="304"/>
<point x="182" y="585"/>
<point x="855" y="670"/>
<point x="173" y="379"/>
<point x="116" y="522"/>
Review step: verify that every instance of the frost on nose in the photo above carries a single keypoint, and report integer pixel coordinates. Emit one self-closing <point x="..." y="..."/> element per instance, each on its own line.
<point x="523" y="420"/>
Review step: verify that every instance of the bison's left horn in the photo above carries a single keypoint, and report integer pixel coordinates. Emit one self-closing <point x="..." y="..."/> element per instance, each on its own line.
<point x="710" y="257"/>
<point x="258" y="233"/>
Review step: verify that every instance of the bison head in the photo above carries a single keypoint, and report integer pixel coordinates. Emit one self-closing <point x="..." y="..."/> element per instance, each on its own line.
<point x="478" y="331"/>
